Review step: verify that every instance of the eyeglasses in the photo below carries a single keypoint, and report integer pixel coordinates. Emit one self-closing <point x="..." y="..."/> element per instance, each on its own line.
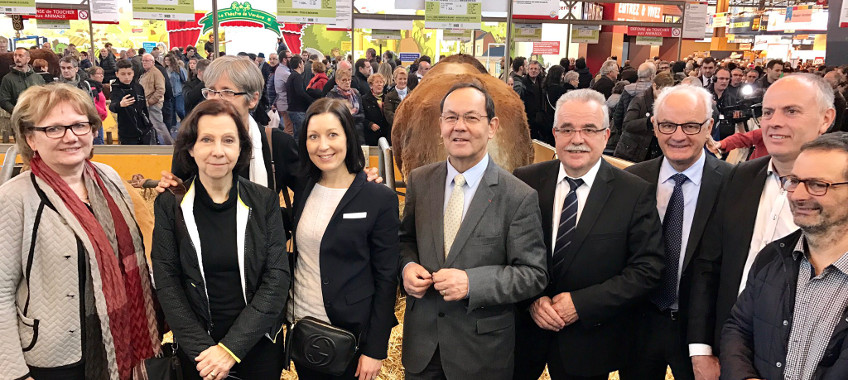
<point x="668" y="128"/>
<point x="469" y="119"/>
<point x="588" y="132"/>
<point x="209" y="93"/>
<point x="722" y="78"/>
<point x="58" y="131"/>
<point x="814" y="186"/>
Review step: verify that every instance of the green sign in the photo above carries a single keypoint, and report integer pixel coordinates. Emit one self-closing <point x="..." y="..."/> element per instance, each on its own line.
<point x="385" y="34"/>
<point x="53" y="24"/>
<point x="585" y="34"/>
<point x="18" y="7"/>
<point x="649" y="40"/>
<point x="241" y="12"/>
<point x="461" y="35"/>
<point x="527" y="32"/>
<point x="453" y="14"/>
<point x="169" y="10"/>
<point x="306" y="11"/>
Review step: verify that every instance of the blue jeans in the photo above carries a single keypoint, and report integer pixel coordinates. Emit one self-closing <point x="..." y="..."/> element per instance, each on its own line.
<point x="297" y="119"/>
<point x="98" y="140"/>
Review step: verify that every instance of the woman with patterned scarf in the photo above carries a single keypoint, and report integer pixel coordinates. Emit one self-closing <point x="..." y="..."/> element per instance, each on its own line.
<point x="352" y="98"/>
<point x="75" y="292"/>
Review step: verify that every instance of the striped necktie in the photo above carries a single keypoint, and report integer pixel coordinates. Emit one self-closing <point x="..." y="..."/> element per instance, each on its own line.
<point x="567" y="221"/>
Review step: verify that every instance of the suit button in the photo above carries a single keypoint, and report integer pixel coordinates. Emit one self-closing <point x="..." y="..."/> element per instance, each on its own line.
<point x="779" y="364"/>
<point x="781" y="246"/>
<point x="785" y="322"/>
<point x="441" y="315"/>
<point x="326" y="281"/>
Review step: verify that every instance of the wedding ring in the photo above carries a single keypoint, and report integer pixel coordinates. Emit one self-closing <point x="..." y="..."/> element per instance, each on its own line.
<point x="212" y="375"/>
<point x="444" y="292"/>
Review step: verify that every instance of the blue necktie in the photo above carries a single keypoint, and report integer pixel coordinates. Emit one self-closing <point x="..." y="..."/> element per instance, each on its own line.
<point x="567" y="221"/>
<point x="666" y="295"/>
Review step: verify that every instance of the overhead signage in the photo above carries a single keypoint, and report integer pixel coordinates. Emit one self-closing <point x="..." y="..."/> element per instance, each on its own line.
<point x="18" y="7"/>
<point x="488" y="6"/>
<point x="650" y="41"/>
<point x="535" y="9"/>
<point x="652" y="31"/>
<point x="799" y="13"/>
<point x="638" y="12"/>
<point x="461" y="35"/>
<point x="585" y="34"/>
<point x="344" y="20"/>
<point x="53" y="24"/>
<point x="241" y="12"/>
<point x="720" y="20"/>
<point x="592" y="11"/>
<point x="385" y="34"/>
<point x="409" y="57"/>
<point x="696" y="17"/>
<point x="546" y="48"/>
<point x="463" y="14"/>
<point x="843" y="15"/>
<point x="58" y="14"/>
<point x="170" y="10"/>
<point x="743" y="25"/>
<point x="306" y="11"/>
<point x="104" y="11"/>
<point x="527" y="32"/>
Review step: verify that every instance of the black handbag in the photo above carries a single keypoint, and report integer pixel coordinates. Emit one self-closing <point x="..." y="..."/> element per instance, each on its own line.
<point x="165" y="367"/>
<point x="320" y="346"/>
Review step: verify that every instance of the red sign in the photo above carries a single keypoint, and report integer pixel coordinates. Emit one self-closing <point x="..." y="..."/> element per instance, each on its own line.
<point x="546" y="47"/>
<point x="818" y="61"/>
<point x="649" y="31"/>
<point x="58" y="14"/>
<point x="638" y="12"/>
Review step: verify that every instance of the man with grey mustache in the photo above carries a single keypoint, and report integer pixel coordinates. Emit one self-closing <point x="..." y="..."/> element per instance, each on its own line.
<point x="604" y="250"/>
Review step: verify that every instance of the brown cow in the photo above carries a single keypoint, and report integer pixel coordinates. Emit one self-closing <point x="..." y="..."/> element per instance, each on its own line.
<point x="6" y="60"/>
<point x="415" y="133"/>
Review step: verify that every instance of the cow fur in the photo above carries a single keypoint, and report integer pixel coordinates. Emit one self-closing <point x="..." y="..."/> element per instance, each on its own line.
<point x="7" y="61"/>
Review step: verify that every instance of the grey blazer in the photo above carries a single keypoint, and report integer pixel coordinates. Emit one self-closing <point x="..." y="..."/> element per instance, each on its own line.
<point x="501" y="248"/>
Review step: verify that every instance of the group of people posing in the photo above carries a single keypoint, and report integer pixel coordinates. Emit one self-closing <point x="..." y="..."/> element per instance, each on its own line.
<point x="571" y="264"/>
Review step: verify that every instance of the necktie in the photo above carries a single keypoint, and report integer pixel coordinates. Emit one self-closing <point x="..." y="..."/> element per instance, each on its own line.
<point x="673" y="238"/>
<point x="567" y="221"/>
<point x="453" y="213"/>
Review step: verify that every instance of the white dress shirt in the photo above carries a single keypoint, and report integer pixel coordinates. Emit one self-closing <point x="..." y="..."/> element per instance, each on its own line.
<point x="691" y="190"/>
<point x="562" y="189"/>
<point x="472" y="180"/>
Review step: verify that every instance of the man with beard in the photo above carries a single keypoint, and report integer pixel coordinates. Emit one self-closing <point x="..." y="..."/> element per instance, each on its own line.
<point x="790" y="321"/>
<point x="17" y="80"/>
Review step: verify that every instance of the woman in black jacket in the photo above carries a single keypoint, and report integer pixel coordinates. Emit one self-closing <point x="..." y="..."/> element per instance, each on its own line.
<point x="554" y="89"/>
<point x="346" y="241"/>
<point x="219" y="260"/>
<point x="376" y="125"/>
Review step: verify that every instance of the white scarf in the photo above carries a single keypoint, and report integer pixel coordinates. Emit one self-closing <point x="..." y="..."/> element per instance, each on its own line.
<point x="258" y="174"/>
<point x="402" y="93"/>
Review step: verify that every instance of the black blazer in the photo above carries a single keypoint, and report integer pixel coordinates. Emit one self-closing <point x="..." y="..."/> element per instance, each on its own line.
<point x="359" y="262"/>
<point x="616" y="260"/>
<point x="374" y="114"/>
<point x="714" y="173"/>
<point x="724" y="250"/>
<point x="180" y="286"/>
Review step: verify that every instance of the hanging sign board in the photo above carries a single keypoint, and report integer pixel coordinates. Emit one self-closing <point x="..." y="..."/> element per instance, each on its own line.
<point x="695" y="19"/>
<point x="344" y="21"/>
<point x="720" y="20"/>
<point x="652" y="41"/>
<point x="19" y="7"/>
<point x="843" y="15"/>
<point x="104" y="11"/>
<point x="546" y="47"/>
<point x="461" y="35"/>
<point x="307" y="11"/>
<point x="527" y="32"/>
<point x="384" y="34"/>
<point x="585" y="34"/>
<point x="465" y="14"/>
<point x="241" y="12"/>
<point x="535" y="9"/>
<point x="53" y="24"/>
<point x="408" y="57"/>
<point x="170" y="10"/>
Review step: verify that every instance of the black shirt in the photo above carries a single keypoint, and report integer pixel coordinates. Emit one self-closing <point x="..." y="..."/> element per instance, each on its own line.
<point x="216" y="225"/>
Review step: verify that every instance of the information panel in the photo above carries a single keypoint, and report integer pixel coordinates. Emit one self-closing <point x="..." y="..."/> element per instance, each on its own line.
<point x="307" y="11"/>
<point x="18" y="7"/>
<point x="176" y="10"/>
<point x="527" y="32"/>
<point x="464" y="14"/>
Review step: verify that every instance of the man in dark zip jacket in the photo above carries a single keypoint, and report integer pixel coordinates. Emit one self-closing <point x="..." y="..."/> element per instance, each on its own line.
<point x="129" y="103"/>
<point x="20" y="77"/>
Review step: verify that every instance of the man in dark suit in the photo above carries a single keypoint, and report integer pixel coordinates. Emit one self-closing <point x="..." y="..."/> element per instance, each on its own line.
<point x="604" y="250"/>
<point x="752" y="211"/>
<point x="688" y="181"/>
<point x="471" y="247"/>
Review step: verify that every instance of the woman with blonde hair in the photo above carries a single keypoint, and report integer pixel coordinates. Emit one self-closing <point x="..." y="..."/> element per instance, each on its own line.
<point x="75" y="294"/>
<point x="376" y="125"/>
<point x="385" y="69"/>
<point x="395" y="96"/>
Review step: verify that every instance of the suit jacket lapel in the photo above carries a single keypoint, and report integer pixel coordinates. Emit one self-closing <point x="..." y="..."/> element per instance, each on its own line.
<point x="547" y="193"/>
<point x="482" y="198"/>
<point x="598" y="195"/>
<point x="436" y="203"/>
<point x="710" y="186"/>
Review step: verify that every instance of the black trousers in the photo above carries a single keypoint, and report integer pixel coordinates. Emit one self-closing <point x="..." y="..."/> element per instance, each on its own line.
<point x="659" y="341"/>
<point x="535" y="348"/>
<point x="73" y="372"/>
<point x="263" y="362"/>
<point x="433" y="370"/>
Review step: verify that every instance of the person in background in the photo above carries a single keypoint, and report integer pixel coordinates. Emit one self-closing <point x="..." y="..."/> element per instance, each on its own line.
<point x="395" y="97"/>
<point x="281" y="101"/>
<point x="271" y="66"/>
<point x="607" y="77"/>
<point x="95" y="79"/>
<point x="376" y="125"/>
<point x="40" y="67"/>
<point x="70" y="74"/>
<point x="177" y="75"/>
<point x="75" y="289"/>
<point x="108" y="61"/>
<point x="129" y="104"/>
<point x="737" y="79"/>
<point x="387" y="70"/>
<point x="345" y="92"/>
<point x="85" y="62"/>
<point x="638" y="142"/>
<point x="519" y="68"/>
<point x="346" y="234"/>
<point x="583" y="71"/>
<point x="708" y="68"/>
<point x="190" y="52"/>
<point x="360" y="77"/>
<point x="4" y="44"/>
<point x="319" y="79"/>
<point x="20" y="77"/>
<point x="193" y="89"/>
<point x="299" y="97"/>
<point x="224" y="236"/>
<point x="774" y="70"/>
<point x="424" y="65"/>
<point x="153" y="83"/>
<point x="555" y="86"/>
